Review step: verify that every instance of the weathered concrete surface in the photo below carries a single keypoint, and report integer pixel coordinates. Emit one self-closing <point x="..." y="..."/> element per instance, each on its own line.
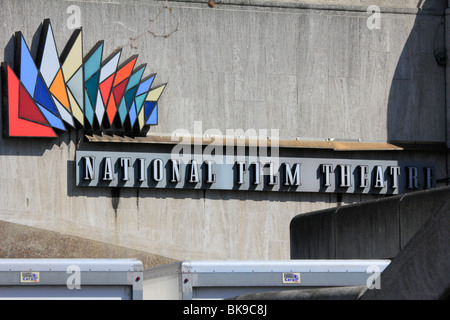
<point x="20" y="242"/>
<point x="370" y="230"/>
<point x="307" y="70"/>
<point x="447" y="75"/>
<point x="421" y="270"/>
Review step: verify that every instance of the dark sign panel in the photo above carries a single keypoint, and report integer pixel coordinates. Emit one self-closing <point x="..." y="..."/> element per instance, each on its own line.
<point x="166" y="170"/>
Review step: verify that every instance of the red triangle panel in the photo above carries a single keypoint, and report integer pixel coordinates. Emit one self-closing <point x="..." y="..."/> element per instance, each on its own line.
<point x="105" y="88"/>
<point x="18" y="127"/>
<point x="119" y="90"/>
<point x="28" y="109"/>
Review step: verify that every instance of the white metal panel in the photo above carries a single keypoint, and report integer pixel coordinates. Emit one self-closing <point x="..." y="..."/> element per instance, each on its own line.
<point x="62" y="264"/>
<point x="163" y="288"/>
<point x="98" y="292"/>
<point x="282" y="266"/>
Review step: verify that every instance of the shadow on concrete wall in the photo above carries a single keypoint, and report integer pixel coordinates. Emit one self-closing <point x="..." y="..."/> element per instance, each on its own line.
<point x="416" y="101"/>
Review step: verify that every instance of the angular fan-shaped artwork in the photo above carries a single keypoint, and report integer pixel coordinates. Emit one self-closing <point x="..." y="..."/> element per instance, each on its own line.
<point x="55" y="93"/>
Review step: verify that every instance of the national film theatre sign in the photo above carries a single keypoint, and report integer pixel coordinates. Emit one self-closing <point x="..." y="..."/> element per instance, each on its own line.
<point x="166" y="170"/>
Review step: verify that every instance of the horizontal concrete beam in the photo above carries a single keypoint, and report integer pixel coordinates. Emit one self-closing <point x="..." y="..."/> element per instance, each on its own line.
<point x="403" y="7"/>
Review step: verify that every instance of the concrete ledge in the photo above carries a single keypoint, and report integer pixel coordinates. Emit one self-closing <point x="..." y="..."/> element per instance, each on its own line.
<point x="169" y="139"/>
<point x="405" y="7"/>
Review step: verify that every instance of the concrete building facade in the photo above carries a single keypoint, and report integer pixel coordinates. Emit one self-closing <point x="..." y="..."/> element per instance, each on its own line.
<point x="356" y="80"/>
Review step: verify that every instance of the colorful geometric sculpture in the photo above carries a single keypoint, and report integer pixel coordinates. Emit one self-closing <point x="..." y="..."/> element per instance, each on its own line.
<point x="56" y="93"/>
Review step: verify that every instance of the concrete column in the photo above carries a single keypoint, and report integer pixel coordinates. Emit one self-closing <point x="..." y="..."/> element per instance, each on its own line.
<point x="447" y="77"/>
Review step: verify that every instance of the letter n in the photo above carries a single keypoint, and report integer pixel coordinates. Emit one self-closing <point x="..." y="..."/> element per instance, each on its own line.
<point x="89" y="168"/>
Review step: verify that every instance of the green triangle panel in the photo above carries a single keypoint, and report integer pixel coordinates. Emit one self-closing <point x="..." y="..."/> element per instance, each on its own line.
<point x="91" y="87"/>
<point x="92" y="65"/>
<point x="88" y="110"/>
<point x="129" y="96"/>
<point x="122" y="110"/>
<point x="140" y="101"/>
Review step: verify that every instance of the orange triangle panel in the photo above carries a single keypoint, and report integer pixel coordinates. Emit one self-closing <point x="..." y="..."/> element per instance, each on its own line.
<point x="58" y="89"/>
<point x="111" y="110"/>
<point x="124" y="72"/>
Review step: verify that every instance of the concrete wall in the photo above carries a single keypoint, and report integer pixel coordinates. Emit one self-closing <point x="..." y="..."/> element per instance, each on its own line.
<point x="307" y="72"/>
<point x="309" y="69"/>
<point x="420" y="270"/>
<point x="377" y="229"/>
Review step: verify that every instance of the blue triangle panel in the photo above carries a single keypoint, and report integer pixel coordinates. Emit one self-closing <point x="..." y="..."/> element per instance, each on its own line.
<point x="153" y="119"/>
<point x="53" y="120"/>
<point x="149" y="105"/>
<point x="42" y="96"/>
<point x="132" y="114"/>
<point x="145" y="85"/>
<point x="28" y="70"/>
